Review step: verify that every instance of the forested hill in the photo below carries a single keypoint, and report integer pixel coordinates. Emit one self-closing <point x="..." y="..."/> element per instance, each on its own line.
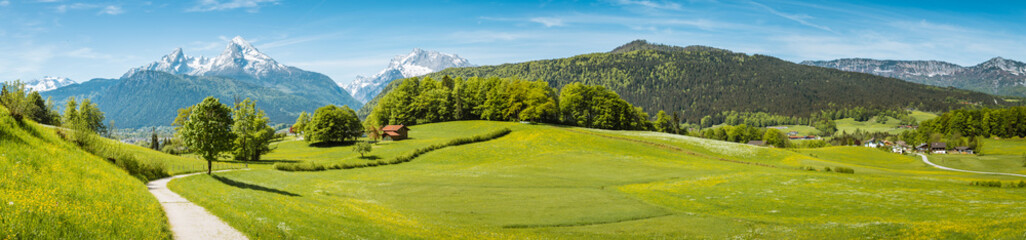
<point x="703" y="81"/>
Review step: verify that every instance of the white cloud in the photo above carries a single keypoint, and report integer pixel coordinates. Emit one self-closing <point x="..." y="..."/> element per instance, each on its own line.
<point x="88" y="53"/>
<point x="217" y="5"/>
<point x="651" y="4"/>
<point x="4" y="3"/>
<point x="548" y="22"/>
<point x="800" y="18"/>
<point x="109" y="9"/>
<point x="112" y="10"/>
<point x="296" y="40"/>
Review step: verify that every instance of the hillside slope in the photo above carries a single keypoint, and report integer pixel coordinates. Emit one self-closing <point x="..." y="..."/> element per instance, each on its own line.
<point x="153" y="98"/>
<point x="702" y="81"/>
<point x="50" y="189"/>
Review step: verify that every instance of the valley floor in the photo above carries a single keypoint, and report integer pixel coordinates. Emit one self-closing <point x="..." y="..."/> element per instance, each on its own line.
<point x="543" y="181"/>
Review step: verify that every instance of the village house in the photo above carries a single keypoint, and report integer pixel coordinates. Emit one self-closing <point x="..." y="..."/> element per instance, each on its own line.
<point x="964" y="150"/>
<point x="395" y="132"/>
<point x="873" y="143"/>
<point x="900" y="147"/>
<point x="939" y="148"/>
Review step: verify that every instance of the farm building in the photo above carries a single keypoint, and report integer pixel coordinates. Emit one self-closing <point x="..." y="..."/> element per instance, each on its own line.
<point x="395" y="132"/>
<point x="964" y="150"/>
<point x="939" y="147"/>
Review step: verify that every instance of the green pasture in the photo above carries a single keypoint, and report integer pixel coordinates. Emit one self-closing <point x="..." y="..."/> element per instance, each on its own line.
<point x="51" y="189"/>
<point x="547" y="182"/>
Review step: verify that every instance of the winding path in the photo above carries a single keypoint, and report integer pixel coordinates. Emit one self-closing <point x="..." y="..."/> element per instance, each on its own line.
<point x="188" y="220"/>
<point x="927" y="161"/>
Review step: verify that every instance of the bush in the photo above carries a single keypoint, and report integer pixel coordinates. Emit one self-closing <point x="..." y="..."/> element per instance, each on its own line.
<point x="112" y="151"/>
<point x="406" y="157"/>
<point x="844" y="170"/>
<point x="986" y="183"/>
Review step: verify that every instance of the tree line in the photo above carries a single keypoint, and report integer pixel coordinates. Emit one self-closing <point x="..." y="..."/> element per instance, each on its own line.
<point x="704" y="81"/>
<point x="417" y="101"/>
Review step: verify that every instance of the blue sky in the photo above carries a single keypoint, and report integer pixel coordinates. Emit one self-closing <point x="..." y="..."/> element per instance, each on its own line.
<point x="103" y="39"/>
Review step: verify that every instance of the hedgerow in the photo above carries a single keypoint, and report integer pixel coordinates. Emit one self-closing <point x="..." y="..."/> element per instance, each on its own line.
<point x="406" y="157"/>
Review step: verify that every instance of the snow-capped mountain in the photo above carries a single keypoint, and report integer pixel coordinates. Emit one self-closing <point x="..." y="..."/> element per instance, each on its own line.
<point x="996" y="76"/>
<point x="148" y="95"/>
<point x="239" y="58"/>
<point x="417" y="63"/>
<point x="47" y="84"/>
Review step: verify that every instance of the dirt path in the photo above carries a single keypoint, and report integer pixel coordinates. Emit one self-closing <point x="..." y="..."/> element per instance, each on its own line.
<point x="189" y="221"/>
<point x="927" y="161"/>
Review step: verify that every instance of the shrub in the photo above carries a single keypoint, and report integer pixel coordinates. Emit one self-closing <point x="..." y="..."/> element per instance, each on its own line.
<point x="986" y="183"/>
<point x="844" y="170"/>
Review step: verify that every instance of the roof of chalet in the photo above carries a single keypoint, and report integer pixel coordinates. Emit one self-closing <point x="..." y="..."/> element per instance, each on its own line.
<point x="939" y="145"/>
<point x="392" y="128"/>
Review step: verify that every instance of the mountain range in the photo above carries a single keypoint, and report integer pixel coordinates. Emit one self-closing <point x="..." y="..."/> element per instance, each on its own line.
<point x="998" y="76"/>
<point x="417" y="63"/>
<point x="700" y="81"/>
<point x="150" y="95"/>
<point x="47" y="84"/>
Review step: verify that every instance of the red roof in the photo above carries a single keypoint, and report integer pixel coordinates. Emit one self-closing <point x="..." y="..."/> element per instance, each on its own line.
<point x="392" y="128"/>
<point x="391" y="134"/>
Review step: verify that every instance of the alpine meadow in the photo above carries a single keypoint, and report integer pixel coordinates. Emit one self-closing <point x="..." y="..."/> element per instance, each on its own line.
<point x="655" y="119"/>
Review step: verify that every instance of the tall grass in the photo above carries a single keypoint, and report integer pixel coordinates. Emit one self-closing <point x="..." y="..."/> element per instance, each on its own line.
<point x="51" y="189"/>
<point x="406" y="157"/>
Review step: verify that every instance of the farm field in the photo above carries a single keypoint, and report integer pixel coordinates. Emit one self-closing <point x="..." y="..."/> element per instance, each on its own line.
<point x="51" y="189"/>
<point x="1000" y="155"/>
<point x="544" y="181"/>
<point x="850" y="125"/>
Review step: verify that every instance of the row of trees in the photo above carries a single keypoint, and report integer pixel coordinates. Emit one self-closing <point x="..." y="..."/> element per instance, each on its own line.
<point x="211" y="128"/>
<point x="416" y="101"/>
<point x="21" y="103"/>
<point x="1004" y="122"/>
<point x="744" y="133"/>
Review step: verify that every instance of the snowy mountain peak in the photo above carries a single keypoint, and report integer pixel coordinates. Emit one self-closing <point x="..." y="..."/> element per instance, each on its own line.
<point x="418" y="62"/>
<point x="47" y="84"/>
<point x="239" y="58"/>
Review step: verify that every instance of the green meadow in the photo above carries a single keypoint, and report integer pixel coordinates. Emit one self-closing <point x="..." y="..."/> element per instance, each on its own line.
<point x="51" y="189"/>
<point x="555" y="182"/>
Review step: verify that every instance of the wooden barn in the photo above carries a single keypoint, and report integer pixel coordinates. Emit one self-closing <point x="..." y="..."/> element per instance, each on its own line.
<point x="395" y="132"/>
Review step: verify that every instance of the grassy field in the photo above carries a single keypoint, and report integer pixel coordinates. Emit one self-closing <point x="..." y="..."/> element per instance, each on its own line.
<point x="559" y="182"/>
<point x="50" y="189"/>
<point x="850" y="125"/>
<point x="1010" y="146"/>
<point x="1000" y="155"/>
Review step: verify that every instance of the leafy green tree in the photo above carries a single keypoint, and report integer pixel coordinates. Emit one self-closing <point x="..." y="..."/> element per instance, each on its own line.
<point x="362" y="147"/>
<point x="662" y="122"/>
<point x="70" y="113"/>
<point x="13" y="97"/>
<point x="154" y="141"/>
<point x="301" y="123"/>
<point x="333" y="124"/>
<point x="826" y="127"/>
<point x="208" y="130"/>
<point x="373" y="132"/>
<point x="775" y="138"/>
<point x="252" y="134"/>
<point x="91" y="117"/>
